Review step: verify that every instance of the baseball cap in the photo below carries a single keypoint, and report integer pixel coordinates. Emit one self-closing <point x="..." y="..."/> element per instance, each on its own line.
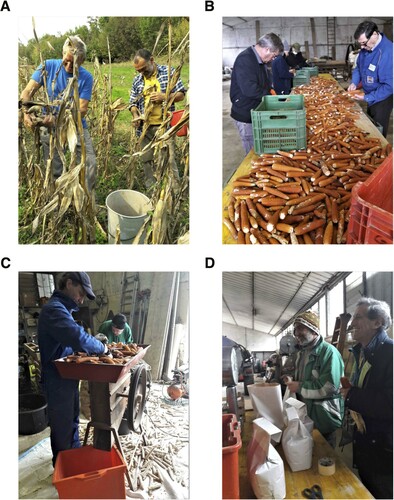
<point x="297" y="46"/>
<point x="310" y="320"/>
<point x="84" y="280"/>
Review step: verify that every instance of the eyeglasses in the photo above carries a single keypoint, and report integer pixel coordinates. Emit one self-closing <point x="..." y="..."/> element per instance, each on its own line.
<point x="364" y="44"/>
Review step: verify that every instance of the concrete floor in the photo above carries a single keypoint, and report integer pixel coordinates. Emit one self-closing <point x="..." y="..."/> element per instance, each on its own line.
<point x="233" y="152"/>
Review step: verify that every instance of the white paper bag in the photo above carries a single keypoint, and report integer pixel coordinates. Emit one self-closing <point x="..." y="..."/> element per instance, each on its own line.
<point x="297" y="443"/>
<point x="274" y="432"/>
<point x="267" y="402"/>
<point x="268" y="478"/>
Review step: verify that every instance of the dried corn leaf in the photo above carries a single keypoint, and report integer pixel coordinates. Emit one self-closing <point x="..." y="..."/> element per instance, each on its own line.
<point x="72" y="136"/>
<point x="49" y="207"/>
<point x="65" y="203"/>
<point x="67" y="178"/>
<point x="79" y="197"/>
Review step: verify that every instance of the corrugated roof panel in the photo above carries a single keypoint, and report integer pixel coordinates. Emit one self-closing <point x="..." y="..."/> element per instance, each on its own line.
<point x="266" y="302"/>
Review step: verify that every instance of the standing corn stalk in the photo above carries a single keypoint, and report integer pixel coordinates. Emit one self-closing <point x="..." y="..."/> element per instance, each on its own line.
<point x="167" y="194"/>
<point x="67" y="199"/>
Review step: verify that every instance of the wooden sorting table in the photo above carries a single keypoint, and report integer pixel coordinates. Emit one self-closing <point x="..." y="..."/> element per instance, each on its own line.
<point x="364" y="123"/>
<point x="343" y="484"/>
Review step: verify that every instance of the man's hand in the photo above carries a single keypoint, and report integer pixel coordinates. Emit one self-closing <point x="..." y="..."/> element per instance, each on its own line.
<point x="28" y="121"/>
<point x="102" y="338"/>
<point x="352" y="86"/>
<point x="157" y="97"/>
<point x="345" y="387"/>
<point x="48" y="121"/>
<point x="293" y="386"/>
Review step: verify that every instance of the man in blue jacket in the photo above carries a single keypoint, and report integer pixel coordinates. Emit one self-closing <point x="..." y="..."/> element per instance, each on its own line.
<point x="59" y="336"/>
<point x="374" y="72"/>
<point x="250" y="81"/>
<point x="371" y="396"/>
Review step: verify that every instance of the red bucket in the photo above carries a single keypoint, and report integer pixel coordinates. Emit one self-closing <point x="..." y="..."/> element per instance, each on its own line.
<point x="176" y="116"/>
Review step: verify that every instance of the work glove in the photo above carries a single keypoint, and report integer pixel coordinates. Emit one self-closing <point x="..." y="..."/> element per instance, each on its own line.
<point x="102" y="338"/>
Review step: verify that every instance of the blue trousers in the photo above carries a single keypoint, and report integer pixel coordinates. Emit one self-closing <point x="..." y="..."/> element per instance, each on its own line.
<point x="63" y="414"/>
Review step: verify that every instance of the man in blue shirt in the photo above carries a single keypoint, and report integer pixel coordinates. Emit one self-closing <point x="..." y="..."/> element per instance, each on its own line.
<point x="250" y="81"/>
<point x="59" y="336"/>
<point x="374" y="73"/>
<point x="56" y="76"/>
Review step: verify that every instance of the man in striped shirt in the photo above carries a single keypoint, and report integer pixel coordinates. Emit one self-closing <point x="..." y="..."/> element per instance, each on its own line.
<point x="149" y="100"/>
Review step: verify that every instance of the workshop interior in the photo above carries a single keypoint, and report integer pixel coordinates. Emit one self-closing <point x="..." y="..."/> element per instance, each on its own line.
<point x="260" y="311"/>
<point x="133" y="399"/>
<point x="310" y="121"/>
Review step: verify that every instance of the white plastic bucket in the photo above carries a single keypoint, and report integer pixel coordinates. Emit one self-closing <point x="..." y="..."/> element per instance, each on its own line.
<point x="127" y="209"/>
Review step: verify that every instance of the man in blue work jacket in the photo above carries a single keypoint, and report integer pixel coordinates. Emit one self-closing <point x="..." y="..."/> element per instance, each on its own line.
<point x="374" y="73"/>
<point x="59" y="336"/>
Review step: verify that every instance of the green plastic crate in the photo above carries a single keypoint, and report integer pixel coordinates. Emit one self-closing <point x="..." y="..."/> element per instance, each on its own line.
<point x="312" y="70"/>
<point x="279" y="122"/>
<point x="301" y="77"/>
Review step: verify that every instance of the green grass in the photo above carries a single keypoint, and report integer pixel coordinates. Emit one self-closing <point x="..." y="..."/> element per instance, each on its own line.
<point x="122" y="75"/>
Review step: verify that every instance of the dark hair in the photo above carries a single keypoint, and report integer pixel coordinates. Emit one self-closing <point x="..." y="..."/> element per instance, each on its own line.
<point x="144" y="53"/>
<point x="377" y="309"/>
<point x="119" y="321"/>
<point x="65" y="277"/>
<point x="366" y="27"/>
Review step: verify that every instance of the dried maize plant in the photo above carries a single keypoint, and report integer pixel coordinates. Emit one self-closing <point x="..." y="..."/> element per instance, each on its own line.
<point x="170" y="207"/>
<point x="67" y="199"/>
<point x="103" y="113"/>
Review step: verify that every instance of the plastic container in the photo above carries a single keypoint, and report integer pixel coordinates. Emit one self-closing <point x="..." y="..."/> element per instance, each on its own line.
<point x="33" y="413"/>
<point x="312" y="70"/>
<point x="231" y="443"/>
<point x="279" y="122"/>
<point x="127" y="211"/>
<point x="176" y="116"/>
<point x="301" y="77"/>
<point x="371" y="209"/>
<point x="87" y="472"/>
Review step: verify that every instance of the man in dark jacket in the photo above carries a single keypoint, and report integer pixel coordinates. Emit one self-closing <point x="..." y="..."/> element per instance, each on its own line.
<point x="371" y="396"/>
<point x="294" y="58"/>
<point x="282" y="74"/>
<point x="58" y="336"/>
<point x="250" y="81"/>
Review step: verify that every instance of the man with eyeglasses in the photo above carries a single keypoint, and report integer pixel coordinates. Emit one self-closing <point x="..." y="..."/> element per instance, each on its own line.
<point x="56" y="75"/>
<point x="374" y="73"/>
<point x="250" y="81"/>
<point x="369" y="393"/>
<point x="147" y="102"/>
<point x="59" y="336"/>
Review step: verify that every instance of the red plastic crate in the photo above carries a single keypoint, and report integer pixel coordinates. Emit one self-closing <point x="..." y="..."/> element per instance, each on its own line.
<point x="231" y="443"/>
<point x="371" y="210"/>
<point x="87" y="472"/>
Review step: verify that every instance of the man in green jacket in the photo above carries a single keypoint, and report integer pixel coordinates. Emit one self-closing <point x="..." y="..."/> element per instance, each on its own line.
<point x="117" y="329"/>
<point x="319" y="367"/>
